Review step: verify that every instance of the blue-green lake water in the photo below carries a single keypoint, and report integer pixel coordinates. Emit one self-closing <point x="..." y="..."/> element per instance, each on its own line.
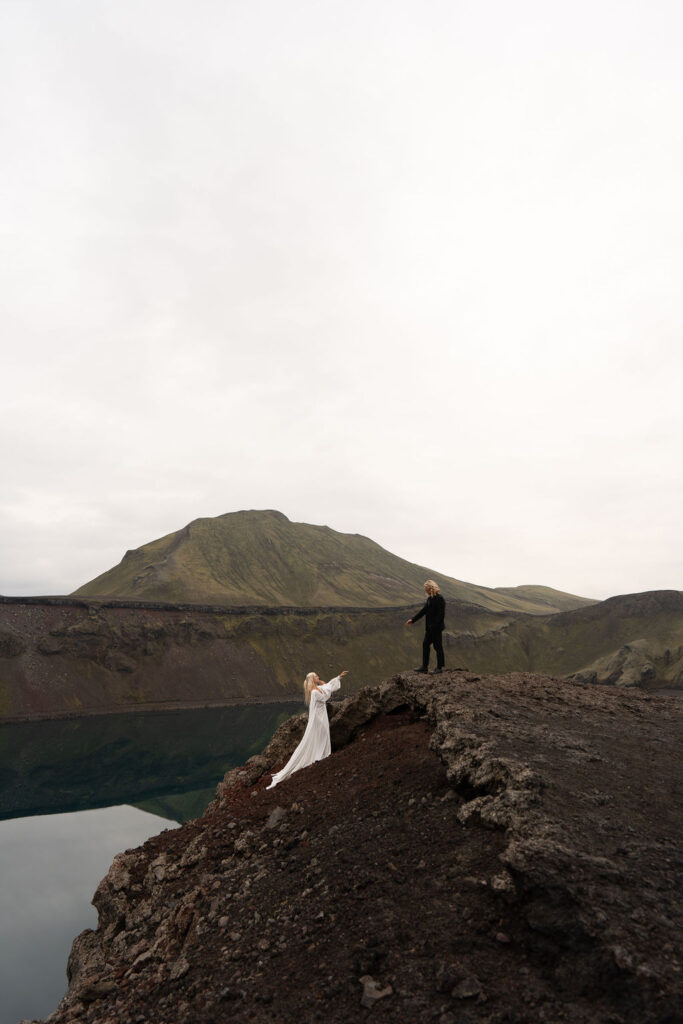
<point x="75" y="792"/>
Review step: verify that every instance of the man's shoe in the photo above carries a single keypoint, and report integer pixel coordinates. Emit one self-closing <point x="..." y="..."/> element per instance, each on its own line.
<point x="424" y="670"/>
<point x="437" y="671"/>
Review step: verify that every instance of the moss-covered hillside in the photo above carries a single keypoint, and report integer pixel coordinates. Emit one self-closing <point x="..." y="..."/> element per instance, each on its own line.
<point x="260" y="557"/>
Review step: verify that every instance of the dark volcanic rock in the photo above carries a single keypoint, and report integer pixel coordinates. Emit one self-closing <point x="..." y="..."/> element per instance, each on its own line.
<point x="11" y="645"/>
<point x="482" y="849"/>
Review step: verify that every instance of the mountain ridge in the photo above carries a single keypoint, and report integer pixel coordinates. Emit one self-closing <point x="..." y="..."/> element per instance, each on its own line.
<point x="262" y="557"/>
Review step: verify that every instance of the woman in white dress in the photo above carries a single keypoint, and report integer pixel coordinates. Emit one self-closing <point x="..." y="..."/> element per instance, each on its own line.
<point x="315" y="743"/>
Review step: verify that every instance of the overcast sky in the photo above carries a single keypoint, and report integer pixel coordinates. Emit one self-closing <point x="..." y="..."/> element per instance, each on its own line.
<point x="408" y="269"/>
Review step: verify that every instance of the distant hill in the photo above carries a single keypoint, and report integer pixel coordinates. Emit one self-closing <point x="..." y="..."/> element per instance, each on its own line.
<point x="630" y="640"/>
<point x="546" y="597"/>
<point x="261" y="557"/>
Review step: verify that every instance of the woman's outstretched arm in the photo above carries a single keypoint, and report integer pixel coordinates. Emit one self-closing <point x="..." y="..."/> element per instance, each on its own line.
<point x="334" y="684"/>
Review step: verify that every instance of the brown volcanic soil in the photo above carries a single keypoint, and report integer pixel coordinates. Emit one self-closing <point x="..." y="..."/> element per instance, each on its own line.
<point x="499" y="849"/>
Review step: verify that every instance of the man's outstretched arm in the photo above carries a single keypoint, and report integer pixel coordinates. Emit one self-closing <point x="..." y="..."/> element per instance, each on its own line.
<point x="419" y="615"/>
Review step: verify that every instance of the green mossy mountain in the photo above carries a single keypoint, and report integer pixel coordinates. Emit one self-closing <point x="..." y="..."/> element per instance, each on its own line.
<point x="262" y="558"/>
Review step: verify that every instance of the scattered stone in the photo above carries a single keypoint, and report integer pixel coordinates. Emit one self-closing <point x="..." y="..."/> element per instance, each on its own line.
<point x="118" y="875"/>
<point x="623" y="958"/>
<point x="467" y="988"/>
<point x="275" y="816"/>
<point x="372" y="991"/>
<point x="92" y="990"/>
<point x="228" y="995"/>
<point x="447" y="976"/>
<point x="244" y="843"/>
<point x="194" y="853"/>
<point x="504" y="885"/>
<point x="179" y="969"/>
<point x="157" y="869"/>
<point x="143" y="958"/>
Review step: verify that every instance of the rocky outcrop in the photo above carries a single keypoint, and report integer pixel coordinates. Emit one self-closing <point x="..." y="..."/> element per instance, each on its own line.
<point x="633" y="664"/>
<point x="497" y="849"/>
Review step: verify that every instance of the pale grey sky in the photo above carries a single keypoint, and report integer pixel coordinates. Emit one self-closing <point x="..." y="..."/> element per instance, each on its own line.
<point x="409" y="269"/>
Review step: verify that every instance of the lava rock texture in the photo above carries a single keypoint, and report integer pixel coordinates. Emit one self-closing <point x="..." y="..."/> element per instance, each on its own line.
<point x="497" y="849"/>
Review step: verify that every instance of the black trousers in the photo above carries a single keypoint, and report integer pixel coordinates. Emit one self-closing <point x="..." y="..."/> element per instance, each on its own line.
<point x="432" y="638"/>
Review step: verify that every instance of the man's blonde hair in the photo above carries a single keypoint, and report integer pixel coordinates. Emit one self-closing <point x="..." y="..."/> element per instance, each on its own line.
<point x="431" y="587"/>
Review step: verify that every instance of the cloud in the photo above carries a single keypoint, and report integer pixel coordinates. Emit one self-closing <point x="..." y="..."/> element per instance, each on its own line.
<point x="410" y="271"/>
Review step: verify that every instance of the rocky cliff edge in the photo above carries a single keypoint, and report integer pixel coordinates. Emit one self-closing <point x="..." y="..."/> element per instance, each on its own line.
<point x="497" y="849"/>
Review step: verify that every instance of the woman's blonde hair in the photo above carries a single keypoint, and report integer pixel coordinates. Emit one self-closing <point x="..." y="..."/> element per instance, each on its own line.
<point x="309" y="684"/>
<point x="431" y="587"/>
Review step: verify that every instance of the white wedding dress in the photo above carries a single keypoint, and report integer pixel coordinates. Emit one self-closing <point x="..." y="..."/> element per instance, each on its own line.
<point x="315" y="743"/>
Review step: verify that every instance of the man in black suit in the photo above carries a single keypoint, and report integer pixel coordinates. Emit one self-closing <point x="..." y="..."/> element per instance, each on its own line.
<point x="434" y="611"/>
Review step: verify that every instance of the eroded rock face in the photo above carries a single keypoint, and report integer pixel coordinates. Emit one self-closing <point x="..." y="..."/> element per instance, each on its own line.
<point x="633" y="664"/>
<point x="64" y="657"/>
<point x="11" y="645"/>
<point x="77" y="656"/>
<point x="485" y="849"/>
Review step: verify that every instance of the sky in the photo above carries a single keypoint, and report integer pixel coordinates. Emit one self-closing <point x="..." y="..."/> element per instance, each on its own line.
<point x="410" y="269"/>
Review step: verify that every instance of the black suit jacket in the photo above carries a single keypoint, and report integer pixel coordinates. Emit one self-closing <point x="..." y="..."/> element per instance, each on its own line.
<point x="434" y="611"/>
